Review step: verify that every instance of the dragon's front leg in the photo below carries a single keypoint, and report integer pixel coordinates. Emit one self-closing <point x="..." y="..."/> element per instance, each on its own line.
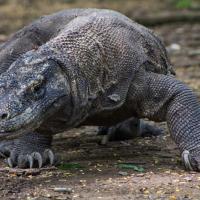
<point x="163" y="98"/>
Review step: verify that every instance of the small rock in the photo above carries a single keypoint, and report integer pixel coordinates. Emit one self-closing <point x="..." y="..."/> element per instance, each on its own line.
<point x="63" y="189"/>
<point x="47" y="195"/>
<point x="173" y="48"/>
<point x="188" y="179"/>
<point x="139" y="175"/>
<point x="172" y="197"/>
<point x="122" y="173"/>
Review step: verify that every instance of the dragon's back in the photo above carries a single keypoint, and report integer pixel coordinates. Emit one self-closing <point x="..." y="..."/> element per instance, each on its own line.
<point x="102" y="50"/>
<point x="47" y="27"/>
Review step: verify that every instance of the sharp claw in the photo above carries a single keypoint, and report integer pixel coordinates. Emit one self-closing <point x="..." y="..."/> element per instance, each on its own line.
<point x="2" y="155"/>
<point x="186" y="160"/>
<point x="37" y="156"/>
<point x="105" y="140"/>
<point x="10" y="163"/>
<point x="50" y="155"/>
<point x="30" y="160"/>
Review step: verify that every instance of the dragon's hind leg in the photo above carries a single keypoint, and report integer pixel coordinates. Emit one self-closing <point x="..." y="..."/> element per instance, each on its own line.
<point x="128" y="129"/>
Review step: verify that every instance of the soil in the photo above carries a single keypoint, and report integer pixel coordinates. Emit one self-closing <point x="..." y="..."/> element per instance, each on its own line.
<point x="95" y="172"/>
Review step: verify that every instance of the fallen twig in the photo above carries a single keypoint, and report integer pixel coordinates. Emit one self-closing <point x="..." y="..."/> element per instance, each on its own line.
<point x="26" y="172"/>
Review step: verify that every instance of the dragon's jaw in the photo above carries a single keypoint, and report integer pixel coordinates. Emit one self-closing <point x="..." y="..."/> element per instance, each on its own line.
<point x="31" y="118"/>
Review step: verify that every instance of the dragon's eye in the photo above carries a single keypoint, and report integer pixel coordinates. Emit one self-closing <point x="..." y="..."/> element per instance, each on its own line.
<point x="36" y="90"/>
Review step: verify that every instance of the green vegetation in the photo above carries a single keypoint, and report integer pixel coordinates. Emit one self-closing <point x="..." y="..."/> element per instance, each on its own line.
<point x="68" y="166"/>
<point x="183" y="4"/>
<point x="130" y="166"/>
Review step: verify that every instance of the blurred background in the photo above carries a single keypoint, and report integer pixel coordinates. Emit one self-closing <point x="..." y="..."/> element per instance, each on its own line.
<point x="177" y="23"/>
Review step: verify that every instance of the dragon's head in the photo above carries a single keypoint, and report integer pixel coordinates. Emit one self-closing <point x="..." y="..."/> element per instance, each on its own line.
<point x="31" y="90"/>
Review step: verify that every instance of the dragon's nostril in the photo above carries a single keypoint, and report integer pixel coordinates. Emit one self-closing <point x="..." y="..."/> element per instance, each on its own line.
<point x="4" y="116"/>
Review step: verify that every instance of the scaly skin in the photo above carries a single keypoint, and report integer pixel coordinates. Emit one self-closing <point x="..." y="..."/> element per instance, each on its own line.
<point x="31" y="37"/>
<point x="99" y="69"/>
<point x="128" y="129"/>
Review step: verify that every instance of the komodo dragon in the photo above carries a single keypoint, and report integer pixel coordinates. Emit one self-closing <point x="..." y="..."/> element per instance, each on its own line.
<point x="88" y="67"/>
<point x="27" y="39"/>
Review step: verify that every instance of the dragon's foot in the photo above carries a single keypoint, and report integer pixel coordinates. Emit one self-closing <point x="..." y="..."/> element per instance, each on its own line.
<point x="191" y="160"/>
<point x="147" y="130"/>
<point x="32" y="150"/>
<point x="34" y="159"/>
<point x="128" y="129"/>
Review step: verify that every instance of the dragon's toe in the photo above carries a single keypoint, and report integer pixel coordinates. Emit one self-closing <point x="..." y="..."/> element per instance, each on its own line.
<point x="30" y="150"/>
<point x="191" y="161"/>
<point x="49" y="156"/>
<point x="32" y="160"/>
<point x="5" y="148"/>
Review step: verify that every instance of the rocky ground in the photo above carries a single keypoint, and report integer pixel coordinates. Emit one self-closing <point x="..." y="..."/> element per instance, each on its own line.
<point x="147" y="168"/>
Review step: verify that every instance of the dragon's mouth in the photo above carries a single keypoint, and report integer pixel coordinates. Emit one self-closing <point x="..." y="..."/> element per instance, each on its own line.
<point x="18" y="130"/>
<point x="20" y="123"/>
<point x="29" y="120"/>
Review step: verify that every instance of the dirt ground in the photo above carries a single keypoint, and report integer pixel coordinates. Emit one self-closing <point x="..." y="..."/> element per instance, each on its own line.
<point x="95" y="171"/>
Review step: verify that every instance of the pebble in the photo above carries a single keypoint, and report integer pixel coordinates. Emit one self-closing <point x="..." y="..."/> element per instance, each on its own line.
<point x="173" y="48"/>
<point x="63" y="189"/>
<point x="122" y="173"/>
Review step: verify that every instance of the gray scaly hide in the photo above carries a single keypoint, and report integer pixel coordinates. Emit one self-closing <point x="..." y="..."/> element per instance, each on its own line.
<point x="113" y="66"/>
